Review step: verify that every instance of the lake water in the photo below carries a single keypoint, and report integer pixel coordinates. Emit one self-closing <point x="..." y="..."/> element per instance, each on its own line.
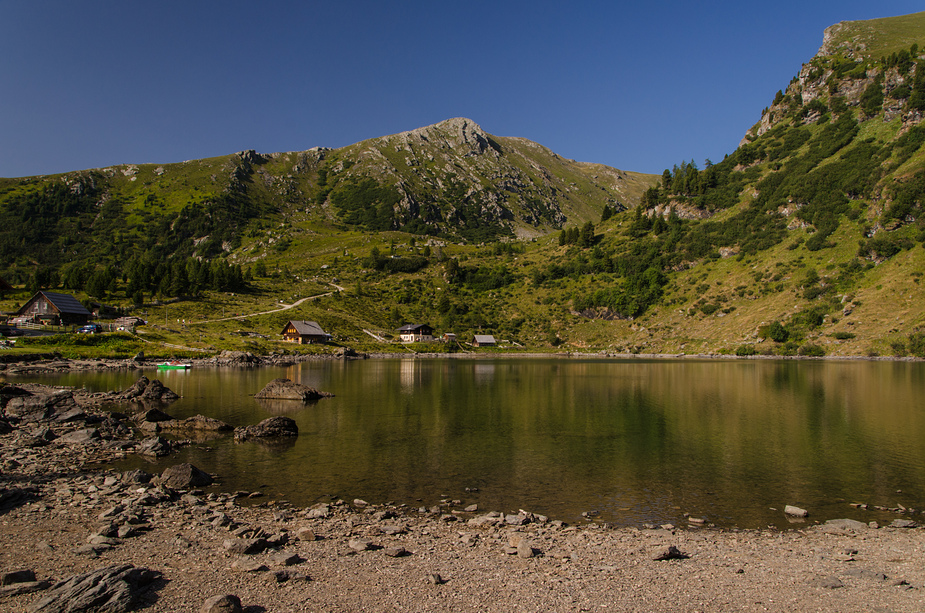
<point x="636" y="441"/>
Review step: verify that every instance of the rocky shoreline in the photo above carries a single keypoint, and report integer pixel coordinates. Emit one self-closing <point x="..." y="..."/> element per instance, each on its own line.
<point x="74" y="536"/>
<point x="16" y="364"/>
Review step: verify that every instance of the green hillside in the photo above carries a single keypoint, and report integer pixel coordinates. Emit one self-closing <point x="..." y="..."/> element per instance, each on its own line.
<point x="806" y="240"/>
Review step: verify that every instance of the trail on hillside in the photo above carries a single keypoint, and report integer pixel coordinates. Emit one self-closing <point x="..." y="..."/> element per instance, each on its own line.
<point x="283" y="308"/>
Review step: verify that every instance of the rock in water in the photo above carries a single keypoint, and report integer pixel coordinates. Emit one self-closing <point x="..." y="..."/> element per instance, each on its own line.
<point x="269" y="428"/>
<point x="184" y="476"/>
<point x="113" y="589"/>
<point x="284" y="389"/>
<point x="145" y="389"/>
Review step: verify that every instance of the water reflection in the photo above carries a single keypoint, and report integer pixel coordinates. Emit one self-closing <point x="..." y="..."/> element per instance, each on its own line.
<point x="636" y="440"/>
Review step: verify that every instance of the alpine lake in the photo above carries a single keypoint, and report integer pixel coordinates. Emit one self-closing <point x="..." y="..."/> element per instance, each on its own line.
<point x="629" y="442"/>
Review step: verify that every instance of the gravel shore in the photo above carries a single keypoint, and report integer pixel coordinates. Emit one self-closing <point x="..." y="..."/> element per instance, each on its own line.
<point x="64" y="513"/>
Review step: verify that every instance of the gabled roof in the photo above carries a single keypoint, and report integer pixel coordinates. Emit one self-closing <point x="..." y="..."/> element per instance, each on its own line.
<point x="64" y="303"/>
<point x="305" y="328"/>
<point x="484" y="338"/>
<point x="413" y="327"/>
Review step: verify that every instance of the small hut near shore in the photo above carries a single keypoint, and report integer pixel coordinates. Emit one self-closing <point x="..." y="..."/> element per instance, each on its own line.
<point x="304" y="332"/>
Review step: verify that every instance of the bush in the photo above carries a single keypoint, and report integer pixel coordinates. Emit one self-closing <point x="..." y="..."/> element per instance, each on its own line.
<point x="917" y="344"/>
<point x="778" y="333"/>
<point x="811" y="350"/>
<point x="843" y="336"/>
<point x="745" y="350"/>
<point x="898" y="348"/>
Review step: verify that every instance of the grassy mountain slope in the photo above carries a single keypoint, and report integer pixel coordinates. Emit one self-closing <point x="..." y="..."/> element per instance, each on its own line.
<point x="808" y="239"/>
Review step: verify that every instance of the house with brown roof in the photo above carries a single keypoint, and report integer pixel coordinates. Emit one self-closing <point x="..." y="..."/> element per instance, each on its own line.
<point x="416" y="333"/>
<point x="304" y="332"/>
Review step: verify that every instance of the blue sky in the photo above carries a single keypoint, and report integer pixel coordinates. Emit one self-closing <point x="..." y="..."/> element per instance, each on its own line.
<point x="639" y="86"/>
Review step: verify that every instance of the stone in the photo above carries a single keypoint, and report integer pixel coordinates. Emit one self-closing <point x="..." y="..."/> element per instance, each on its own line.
<point x="395" y="552"/>
<point x="272" y="427"/>
<point x="112" y="589"/>
<point x="155" y="446"/>
<point x="830" y="583"/>
<point x="245" y="546"/>
<point x="435" y="578"/>
<point x="903" y="523"/>
<point x="306" y="534"/>
<point x="145" y="389"/>
<point x="286" y="559"/>
<point x="153" y="416"/>
<point x="136" y="476"/>
<point x="75" y="414"/>
<point x="244" y="565"/>
<point x="226" y="603"/>
<point x="196" y="423"/>
<point x="524" y="549"/>
<point x="845" y="524"/>
<point x="26" y="587"/>
<point x="182" y="476"/>
<point x="17" y="576"/>
<point x="85" y="435"/>
<point x="285" y="389"/>
<point x="360" y="544"/>
<point x="670" y="553"/>
<point x="795" y="511"/>
<point x="38" y="407"/>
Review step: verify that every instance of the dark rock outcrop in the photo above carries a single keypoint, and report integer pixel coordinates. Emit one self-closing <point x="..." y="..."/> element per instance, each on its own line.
<point x="37" y="407"/>
<point x="108" y="590"/>
<point x="272" y="427"/>
<point x="284" y="389"/>
<point x="196" y="423"/>
<point x="184" y="476"/>
<point x="146" y="389"/>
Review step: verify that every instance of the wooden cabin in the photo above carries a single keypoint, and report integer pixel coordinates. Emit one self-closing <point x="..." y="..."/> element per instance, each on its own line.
<point x="54" y="308"/>
<point x="304" y="332"/>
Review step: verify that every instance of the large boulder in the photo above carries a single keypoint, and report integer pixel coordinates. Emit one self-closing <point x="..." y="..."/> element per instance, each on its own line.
<point x="284" y="389"/>
<point x="38" y="407"/>
<point x="113" y="589"/>
<point x="273" y="427"/>
<point x="196" y="423"/>
<point x="11" y="391"/>
<point x="183" y="476"/>
<point x="146" y="389"/>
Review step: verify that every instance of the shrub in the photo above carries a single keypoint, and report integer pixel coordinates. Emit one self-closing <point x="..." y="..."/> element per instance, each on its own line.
<point x="843" y="336"/>
<point x="898" y="348"/>
<point x="811" y="350"/>
<point x="777" y="332"/>
<point x="917" y="344"/>
<point x="745" y="350"/>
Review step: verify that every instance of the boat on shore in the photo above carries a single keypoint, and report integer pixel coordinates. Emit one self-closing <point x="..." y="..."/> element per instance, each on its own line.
<point x="173" y="365"/>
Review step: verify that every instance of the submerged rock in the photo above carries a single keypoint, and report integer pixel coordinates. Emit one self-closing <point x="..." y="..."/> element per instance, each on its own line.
<point x="273" y="427"/>
<point x="284" y="389"/>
